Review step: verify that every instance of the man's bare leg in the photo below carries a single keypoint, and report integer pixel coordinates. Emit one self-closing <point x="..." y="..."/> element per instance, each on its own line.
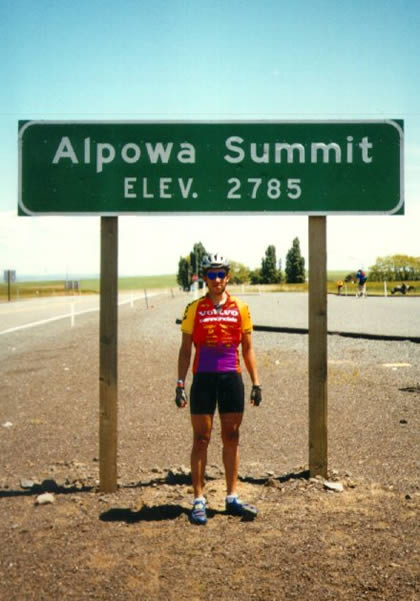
<point x="202" y="426"/>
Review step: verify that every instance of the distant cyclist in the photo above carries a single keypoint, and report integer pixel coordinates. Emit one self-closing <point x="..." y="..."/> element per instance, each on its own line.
<point x="361" y="279"/>
<point x="216" y="324"/>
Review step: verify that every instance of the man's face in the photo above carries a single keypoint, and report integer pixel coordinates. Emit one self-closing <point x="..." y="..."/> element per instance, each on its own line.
<point x="216" y="280"/>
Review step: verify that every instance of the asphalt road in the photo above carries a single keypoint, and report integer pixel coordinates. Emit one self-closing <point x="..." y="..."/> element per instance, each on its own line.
<point x="391" y="316"/>
<point x="36" y="312"/>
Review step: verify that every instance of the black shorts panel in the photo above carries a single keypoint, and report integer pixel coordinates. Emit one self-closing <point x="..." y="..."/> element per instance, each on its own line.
<point x="224" y="389"/>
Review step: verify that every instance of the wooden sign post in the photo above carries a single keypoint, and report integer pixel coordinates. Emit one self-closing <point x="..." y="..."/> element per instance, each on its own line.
<point x="108" y="372"/>
<point x="318" y="361"/>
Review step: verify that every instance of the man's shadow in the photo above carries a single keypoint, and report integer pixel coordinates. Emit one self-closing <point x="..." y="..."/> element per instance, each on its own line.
<point x="155" y="513"/>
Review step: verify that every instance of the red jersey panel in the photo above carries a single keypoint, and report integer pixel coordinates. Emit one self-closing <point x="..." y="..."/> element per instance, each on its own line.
<point x="217" y="333"/>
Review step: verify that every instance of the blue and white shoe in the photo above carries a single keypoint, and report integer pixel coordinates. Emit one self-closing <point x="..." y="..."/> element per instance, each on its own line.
<point x="198" y="513"/>
<point x="238" y="508"/>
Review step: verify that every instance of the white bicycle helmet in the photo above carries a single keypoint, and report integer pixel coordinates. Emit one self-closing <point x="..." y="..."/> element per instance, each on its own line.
<point x="215" y="261"/>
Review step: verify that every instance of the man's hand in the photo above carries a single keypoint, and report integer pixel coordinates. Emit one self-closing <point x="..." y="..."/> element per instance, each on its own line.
<point x="256" y="395"/>
<point x="180" y="397"/>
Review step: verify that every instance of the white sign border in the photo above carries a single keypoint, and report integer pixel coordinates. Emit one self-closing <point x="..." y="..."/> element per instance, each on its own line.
<point x="29" y="123"/>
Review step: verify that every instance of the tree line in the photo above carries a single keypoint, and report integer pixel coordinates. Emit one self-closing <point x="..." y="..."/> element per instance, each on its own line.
<point x="395" y="268"/>
<point x="270" y="272"/>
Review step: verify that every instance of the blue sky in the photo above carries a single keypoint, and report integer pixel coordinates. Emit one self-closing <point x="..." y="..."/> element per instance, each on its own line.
<point x="205" y="60"/>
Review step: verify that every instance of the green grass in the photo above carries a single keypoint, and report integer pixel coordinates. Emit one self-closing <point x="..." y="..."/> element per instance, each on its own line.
<point x="248" y="288"/>
<point x="91" y="286"/>
<point x="88" y="286"/>
<point x="373" y="288"/>
<point x="147" y="282"/>
<point x="30" y="289"/>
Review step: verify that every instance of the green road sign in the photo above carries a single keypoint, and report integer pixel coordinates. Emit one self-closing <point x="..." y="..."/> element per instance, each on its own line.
<point x="116" y="168"/>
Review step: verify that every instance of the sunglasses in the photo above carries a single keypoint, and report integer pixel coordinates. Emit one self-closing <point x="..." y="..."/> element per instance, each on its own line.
<point x="212" y="275"/>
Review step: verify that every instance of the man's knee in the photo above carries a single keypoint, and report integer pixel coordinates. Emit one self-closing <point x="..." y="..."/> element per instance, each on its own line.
<point x="201" y="441"/>
<point x="230" y="437"/>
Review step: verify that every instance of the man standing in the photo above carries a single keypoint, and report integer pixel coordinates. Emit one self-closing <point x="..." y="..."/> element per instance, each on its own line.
<point x="361" y="279"/>
<point x="216" y="324"/>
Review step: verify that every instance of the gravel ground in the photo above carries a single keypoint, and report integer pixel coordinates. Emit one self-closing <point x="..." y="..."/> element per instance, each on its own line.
<point x="306" y="543"/>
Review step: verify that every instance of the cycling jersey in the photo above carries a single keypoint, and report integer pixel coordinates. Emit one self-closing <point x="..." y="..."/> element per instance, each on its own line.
<point x="361" y="276"/>
<point x="216" y="332"/>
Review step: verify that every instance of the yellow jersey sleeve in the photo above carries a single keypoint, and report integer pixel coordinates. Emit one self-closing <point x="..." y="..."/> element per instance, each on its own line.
<point x="246" y="322"/>
<point x="187" y="324"/>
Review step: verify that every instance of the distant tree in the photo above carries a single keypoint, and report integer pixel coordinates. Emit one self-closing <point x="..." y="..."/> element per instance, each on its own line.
<point x="295" y="264"/>
<point x="269" y="273"/>
<point x="395" y="268"/>
<point x="183" y="275"/>
<point x="190" y="265"/>
<point x="196" y="256"/>
<point x="239" y="273"/>
<point x="255" y="277"/>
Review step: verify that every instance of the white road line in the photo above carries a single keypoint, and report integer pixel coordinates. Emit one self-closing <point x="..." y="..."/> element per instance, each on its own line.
<point x="42" y="321"/>
<point x="66" y="316"/>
